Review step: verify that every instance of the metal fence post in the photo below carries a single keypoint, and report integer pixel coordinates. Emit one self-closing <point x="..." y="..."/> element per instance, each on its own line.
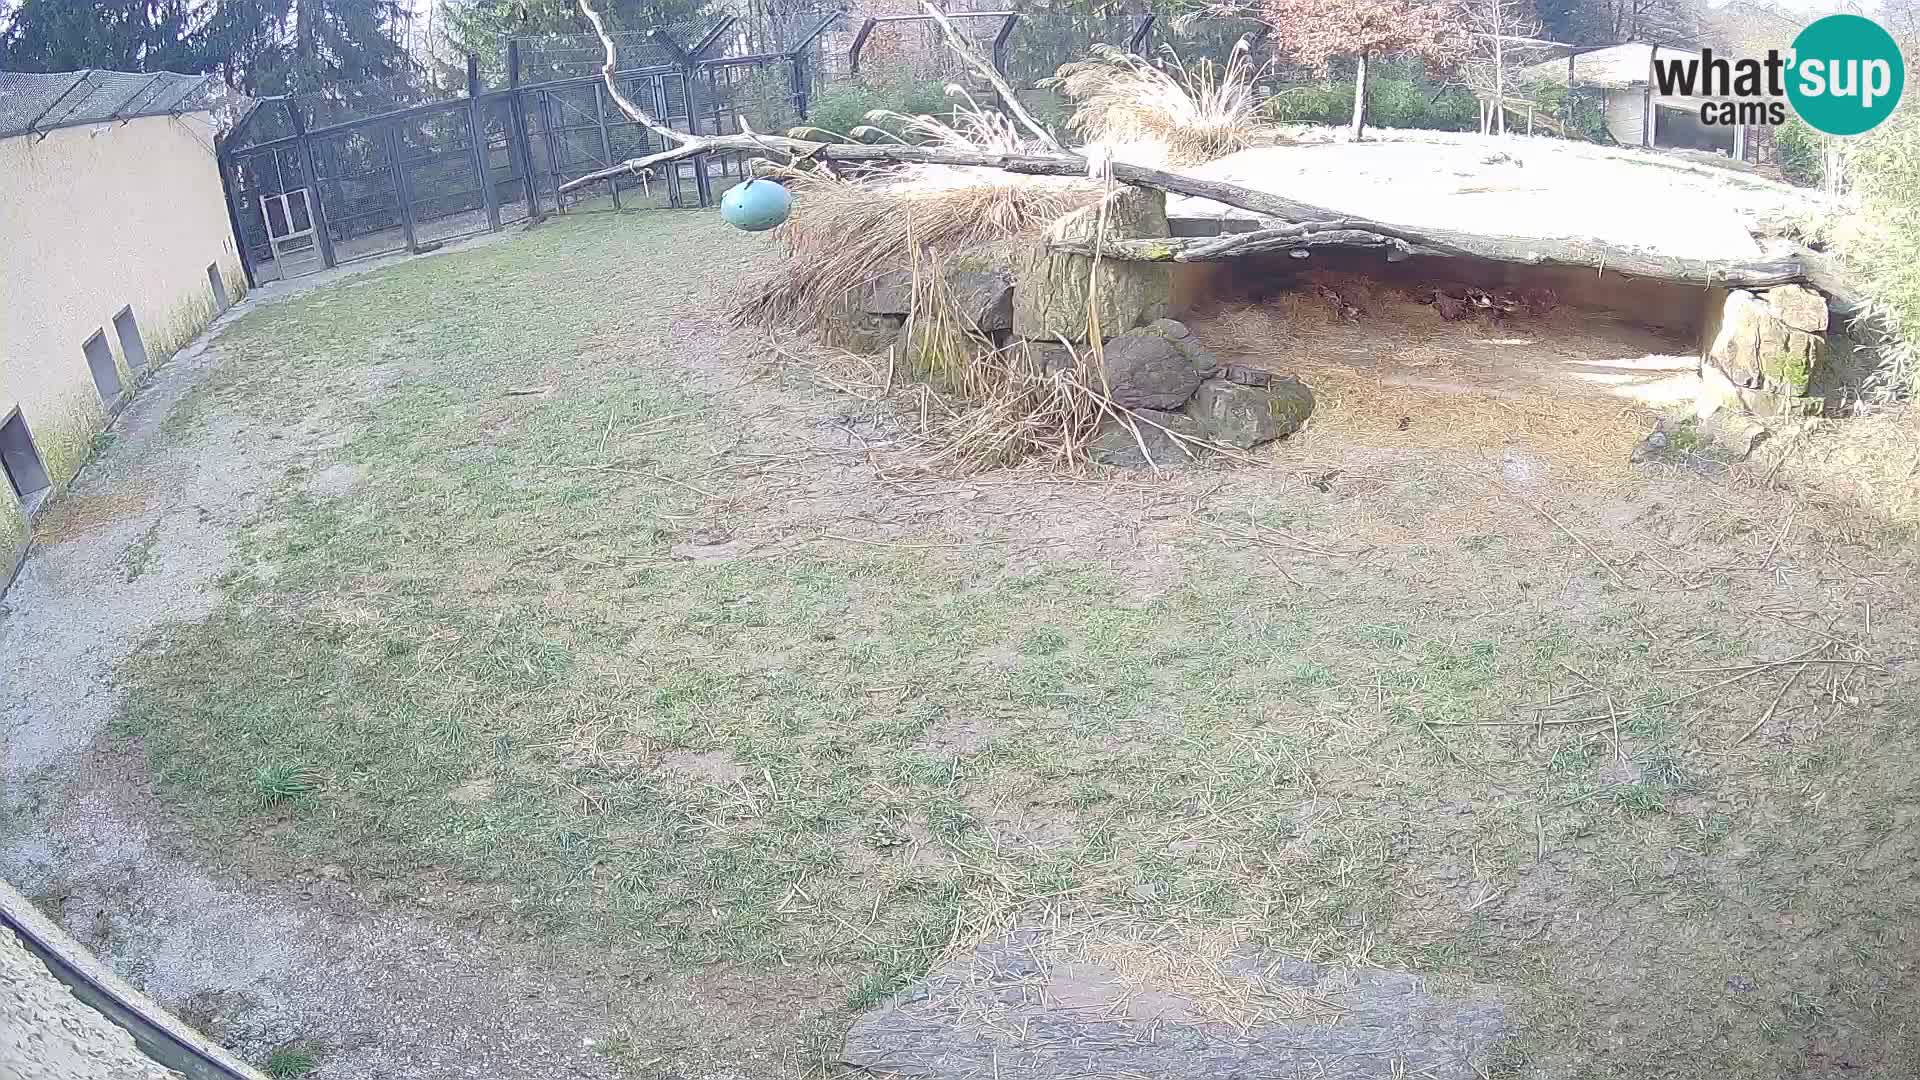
<point x="798" y="56"/>
<point x="477" y="137"/>
<point x="315" y="205"/>
<point x="702" y="185"/>
<point x="1140" y="34"/>
<point x="401" y="188"/>
<point x="606" y="141"/>
<point x="230" y="181"/>
<point x="1000" y="43"/>
<point x="517" y="116"/>
<point x="800" y="81"/>
<point x="553" y="154"/>
<point x="672" y="170"/>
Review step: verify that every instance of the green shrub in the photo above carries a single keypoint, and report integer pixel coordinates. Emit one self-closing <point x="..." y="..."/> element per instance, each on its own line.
<point x="1799" y="151"/>
<point x="1589" y="120"/>
<point x="844" y="106"/>
<point x="1399" y="95"/>
<point x="1315" y="103"/>
<point x="1884" y="240"/>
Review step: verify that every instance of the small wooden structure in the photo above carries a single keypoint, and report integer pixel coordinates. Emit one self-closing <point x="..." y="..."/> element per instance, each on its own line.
<point x="1637" y="114"/>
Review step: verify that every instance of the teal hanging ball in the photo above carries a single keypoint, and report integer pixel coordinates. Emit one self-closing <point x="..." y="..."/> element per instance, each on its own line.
<point x="756" y="205"/>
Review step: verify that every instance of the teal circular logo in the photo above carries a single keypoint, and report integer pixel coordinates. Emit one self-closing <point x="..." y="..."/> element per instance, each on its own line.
<point x="1846" y="75"/>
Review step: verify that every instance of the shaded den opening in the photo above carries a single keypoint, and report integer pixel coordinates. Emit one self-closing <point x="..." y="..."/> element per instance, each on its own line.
<point x="1451" y="325"/>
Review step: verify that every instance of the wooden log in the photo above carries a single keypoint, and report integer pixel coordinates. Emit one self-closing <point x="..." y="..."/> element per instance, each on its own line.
<point x="1284" y="241"/>
<point x="1527" y="251"/>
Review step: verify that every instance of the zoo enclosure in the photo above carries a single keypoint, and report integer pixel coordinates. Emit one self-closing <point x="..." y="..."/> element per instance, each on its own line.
<point x="318" y="180"/>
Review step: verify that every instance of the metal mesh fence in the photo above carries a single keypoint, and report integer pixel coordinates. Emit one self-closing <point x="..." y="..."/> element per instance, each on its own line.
<point x="1041" y="43"/>
<point x="551" y="57"/>
<point x="343" y="104"/>
<point x="31" y="103"/>
<point x="400" y="165"/>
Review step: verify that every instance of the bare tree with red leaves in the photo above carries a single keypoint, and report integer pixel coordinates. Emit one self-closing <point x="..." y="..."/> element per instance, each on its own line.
<point x="1318" y="31"/>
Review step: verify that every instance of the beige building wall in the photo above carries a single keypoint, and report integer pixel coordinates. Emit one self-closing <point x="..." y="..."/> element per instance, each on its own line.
<point x="93" y="219"/>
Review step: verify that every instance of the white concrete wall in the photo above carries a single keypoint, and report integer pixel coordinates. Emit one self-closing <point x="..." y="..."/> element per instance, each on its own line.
<point x="1626" y="116"/>
<point x="93" y="219"/>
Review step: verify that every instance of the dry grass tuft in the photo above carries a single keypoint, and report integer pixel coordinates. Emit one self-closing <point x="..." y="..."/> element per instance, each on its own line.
<point x="844" y="233"/>
<point x="969" y="127"/>
<point x="995" y="412"/>
<point x="1861" y="472"/>
<point x="1197" y="113"/>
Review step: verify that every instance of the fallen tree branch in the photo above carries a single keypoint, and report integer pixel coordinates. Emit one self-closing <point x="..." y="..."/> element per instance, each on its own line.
<point x="1286" y="239"/>
<point x="973" y="60"/>
<point x="634" y="112"/>
<point x="1304" y="221"/>
<point x="1529" y="251"/>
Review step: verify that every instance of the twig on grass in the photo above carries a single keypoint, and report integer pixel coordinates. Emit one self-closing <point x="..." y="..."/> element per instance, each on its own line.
<point x="1781" y="535"/>
<point x="1772" y="705"/>
<point x="908" y="547"/>
<point x="1520" y="723"/>
<point x="1599" y="558"/>
<point x="623" y="471"/>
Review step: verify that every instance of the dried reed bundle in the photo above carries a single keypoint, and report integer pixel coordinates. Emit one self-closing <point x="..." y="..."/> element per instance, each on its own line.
<point x="1197" y="113"/>
<point x="844" y="233"/>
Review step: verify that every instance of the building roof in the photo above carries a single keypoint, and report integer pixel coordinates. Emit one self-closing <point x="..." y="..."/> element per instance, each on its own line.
<point x="1616" y="67"/>
<point x="35" y="103"/>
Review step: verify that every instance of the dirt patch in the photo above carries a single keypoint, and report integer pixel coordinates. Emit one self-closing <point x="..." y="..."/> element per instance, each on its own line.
<point x="1577" y="386"/>
<point x="711" y="766"/>
<point x="76" y="514"/>
<point x="477" y="790"/>
<point x="333" y="481"/>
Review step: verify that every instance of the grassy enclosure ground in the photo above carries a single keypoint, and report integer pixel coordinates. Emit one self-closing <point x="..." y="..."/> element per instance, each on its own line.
<point x="603" y="625"/>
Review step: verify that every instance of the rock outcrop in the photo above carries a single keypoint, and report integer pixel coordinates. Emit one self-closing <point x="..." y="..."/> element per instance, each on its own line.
<point x="1051" y="288"/>
<point x="1769" y="346"/>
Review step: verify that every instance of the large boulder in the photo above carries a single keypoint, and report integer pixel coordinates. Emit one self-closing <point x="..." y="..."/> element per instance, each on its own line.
<point x="1148" y="371"/>
<point x="1775" y="342"/>
<point x="1051" y="288"/>
<point x="1244" y="416"/>
<point x="1116" y="445"/>
<point x="984" y="298"/>
<point x="1157" y="366"/>
<point x="1799" y="307"/>
<point x="1205" y="364"/>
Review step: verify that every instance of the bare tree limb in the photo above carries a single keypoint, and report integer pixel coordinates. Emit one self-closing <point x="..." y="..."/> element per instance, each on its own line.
<point x="1007" y="97"/>
<point x="634" y="112"/>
